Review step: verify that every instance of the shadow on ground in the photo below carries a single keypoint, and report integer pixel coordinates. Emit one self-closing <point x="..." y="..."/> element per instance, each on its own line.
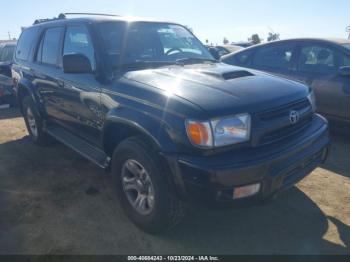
<point x="54" y="202"/>
<point x="339" y="156"/>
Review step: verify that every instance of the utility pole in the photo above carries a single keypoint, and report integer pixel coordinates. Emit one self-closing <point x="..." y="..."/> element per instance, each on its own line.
<point x="348" y="31"/>
<point x="9" y="35"/>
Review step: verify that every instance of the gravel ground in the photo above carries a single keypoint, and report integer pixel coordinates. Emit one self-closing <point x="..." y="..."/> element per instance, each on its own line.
<point x="52" y="201"/>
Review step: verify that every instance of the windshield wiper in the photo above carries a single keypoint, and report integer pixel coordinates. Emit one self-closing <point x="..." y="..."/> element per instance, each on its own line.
<point x="192" y="60"/>
<point x="181" y="62"/>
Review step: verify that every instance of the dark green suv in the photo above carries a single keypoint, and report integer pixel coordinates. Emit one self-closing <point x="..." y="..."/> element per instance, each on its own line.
<point x="146" y="99"/>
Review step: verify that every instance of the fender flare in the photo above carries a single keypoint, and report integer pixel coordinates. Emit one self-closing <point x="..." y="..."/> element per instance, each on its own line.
<point x="29" y="88"/>
<point x="153" y="128"/>
<point x="158" y="132"/>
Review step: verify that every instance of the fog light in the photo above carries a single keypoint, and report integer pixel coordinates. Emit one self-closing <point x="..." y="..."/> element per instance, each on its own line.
<point x="246" y="191"/>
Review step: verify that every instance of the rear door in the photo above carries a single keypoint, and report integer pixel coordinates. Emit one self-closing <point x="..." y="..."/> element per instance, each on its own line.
<point x="48" y="73"/>
<point x="318" y="65"/>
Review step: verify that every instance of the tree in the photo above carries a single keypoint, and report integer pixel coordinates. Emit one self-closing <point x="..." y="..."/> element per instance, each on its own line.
<point x="225" y="41"/>
<point x="273" y="37"/>
<point x="255" y="39"/>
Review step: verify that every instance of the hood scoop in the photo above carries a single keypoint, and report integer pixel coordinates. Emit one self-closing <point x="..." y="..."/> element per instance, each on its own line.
<point x="228" y="75"/>
<point x="236" y="74"/>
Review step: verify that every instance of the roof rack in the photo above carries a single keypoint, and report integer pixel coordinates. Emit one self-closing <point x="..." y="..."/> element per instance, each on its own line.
<point x="64" y="16"/>
<point x="39" y="21"/>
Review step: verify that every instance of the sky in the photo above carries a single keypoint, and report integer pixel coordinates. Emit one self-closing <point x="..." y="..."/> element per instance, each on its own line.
<point x="210" y="19"/>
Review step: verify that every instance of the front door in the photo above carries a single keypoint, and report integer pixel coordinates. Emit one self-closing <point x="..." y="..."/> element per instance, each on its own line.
<point x="81" y="92"/>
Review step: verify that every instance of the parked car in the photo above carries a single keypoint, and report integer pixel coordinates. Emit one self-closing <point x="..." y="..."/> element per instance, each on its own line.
<point x="243" y="44"/>
<point x="146" y="99"/>
<point x="219" y="51"/>
<point x="323" y="64"/>
<point x="6" y="86"/>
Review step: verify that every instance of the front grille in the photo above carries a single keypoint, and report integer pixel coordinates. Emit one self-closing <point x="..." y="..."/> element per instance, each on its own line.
<point x="284" y="110"/>
<point x="280" y="117"/>
<point x="286" y="132"/>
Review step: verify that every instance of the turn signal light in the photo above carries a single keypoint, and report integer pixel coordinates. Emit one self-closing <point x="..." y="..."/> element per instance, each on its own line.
<point x="246" y="191"/>
<point x="199" y="133"/>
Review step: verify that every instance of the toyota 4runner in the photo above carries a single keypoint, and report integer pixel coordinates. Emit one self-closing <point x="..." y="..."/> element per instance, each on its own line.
<point x="146" y="99"/>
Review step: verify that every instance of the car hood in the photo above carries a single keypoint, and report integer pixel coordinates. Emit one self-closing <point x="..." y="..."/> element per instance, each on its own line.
<point x="221" y="89"/>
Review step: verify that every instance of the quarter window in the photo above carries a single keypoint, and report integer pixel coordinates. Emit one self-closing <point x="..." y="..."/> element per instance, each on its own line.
<point x="25" y="43"/>
<point x="278" y="57"/>
<point x="78" y="41"/>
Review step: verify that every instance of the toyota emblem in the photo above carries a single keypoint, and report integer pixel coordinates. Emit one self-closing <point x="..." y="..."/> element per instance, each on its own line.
<point x="294" y="117"/>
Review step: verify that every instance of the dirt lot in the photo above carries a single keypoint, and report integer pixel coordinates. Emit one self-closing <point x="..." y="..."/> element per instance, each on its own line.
<point x="52" y="201"/>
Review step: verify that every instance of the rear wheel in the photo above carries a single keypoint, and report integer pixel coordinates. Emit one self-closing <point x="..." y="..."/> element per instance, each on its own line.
<point x="34" y="122"/>
<point x="146" y="195"/>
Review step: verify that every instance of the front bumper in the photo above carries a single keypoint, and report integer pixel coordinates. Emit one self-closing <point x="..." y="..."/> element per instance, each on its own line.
<point x="275" y="167"/>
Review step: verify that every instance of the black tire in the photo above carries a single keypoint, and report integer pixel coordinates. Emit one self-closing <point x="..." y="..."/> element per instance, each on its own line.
<point x="167" y="209"/>
<point x="39" y="136"/>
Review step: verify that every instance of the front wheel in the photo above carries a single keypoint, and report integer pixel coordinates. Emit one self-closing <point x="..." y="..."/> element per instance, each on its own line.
<point x="34" y="122"/>
<point x="146" y="195"/>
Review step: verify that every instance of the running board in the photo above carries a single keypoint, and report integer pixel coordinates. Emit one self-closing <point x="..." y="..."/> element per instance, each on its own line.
<point x="79" y="145"/>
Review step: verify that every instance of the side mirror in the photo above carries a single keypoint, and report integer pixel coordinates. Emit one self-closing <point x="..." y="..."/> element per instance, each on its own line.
<point x="344" y="71"/>
<point x="76" y="64"/>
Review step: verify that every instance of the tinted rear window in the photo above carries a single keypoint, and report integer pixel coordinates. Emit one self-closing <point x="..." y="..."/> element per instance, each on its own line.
<point x="25" y="43"/>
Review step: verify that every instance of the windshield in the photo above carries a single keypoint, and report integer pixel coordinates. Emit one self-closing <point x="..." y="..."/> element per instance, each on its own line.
<point x="347" y="46"/>
<point x="140" y="42"/>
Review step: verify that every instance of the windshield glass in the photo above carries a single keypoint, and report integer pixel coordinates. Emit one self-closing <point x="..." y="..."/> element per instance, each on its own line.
<point x="139" y="42"/>
<point x="347" y="46"/>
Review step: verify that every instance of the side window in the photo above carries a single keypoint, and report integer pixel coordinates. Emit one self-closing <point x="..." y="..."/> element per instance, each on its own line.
<point x="25" y="43"/>
<point x="318" y="59"/>
<point x="244" y="58"/>
<point x="240" y="59"/>
<point x="346" y="61"/>
<point x="7" y="53"/>
<point x="274" y="56"/>
<point x="78" y="41"/>
<point x="49" y="48"/>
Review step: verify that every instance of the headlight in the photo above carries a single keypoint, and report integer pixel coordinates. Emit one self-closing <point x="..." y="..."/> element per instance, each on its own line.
<point x="231" y="130"/>
<point x="219" y="132"/>
<point x="312" y="100"/>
